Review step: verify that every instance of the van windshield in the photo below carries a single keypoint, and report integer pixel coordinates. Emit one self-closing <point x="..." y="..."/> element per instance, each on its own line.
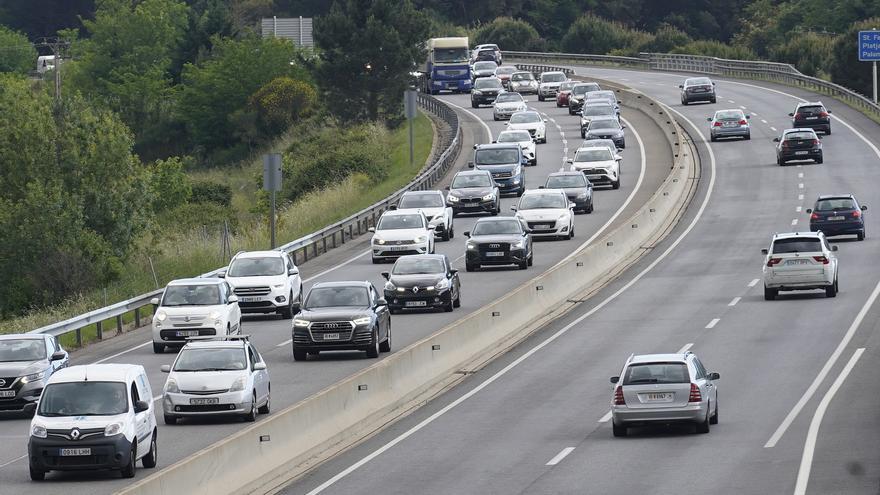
<point x="83" y="399"/>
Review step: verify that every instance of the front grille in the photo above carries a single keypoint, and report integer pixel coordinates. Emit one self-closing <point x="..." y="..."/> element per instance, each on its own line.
<point x="450" y="72"/>
<point x="251" y="291"/>
<point x="396" y="243"/>
<point x="330" y="326"/>
<point x="257" y="304"/>
<point x="9" y="382"/>
<point x="532" y="132"/>
<point x="7" y="405"/>
<point x="595" y="171"/>
<point x="87" y="460"/>
<point x="187" y="321"/>
<point x="83" y="433"/>
<point x="398" y="253"/>
<point x="204" y="392"/>
<point x="502" y="175"/>
<point x="494" y="246"/>
<point x="542" y="225"/>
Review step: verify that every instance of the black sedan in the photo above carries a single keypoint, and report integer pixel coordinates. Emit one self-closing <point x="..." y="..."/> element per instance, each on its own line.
<point x="342" y="316"/>
<point x="576" y="186"/>
<point x="422" y="281"/>
<point x="798" y="144"/>
<point x="697" y="89"/>
<point x="498" y="242"/>
<point x="485" y="90"/>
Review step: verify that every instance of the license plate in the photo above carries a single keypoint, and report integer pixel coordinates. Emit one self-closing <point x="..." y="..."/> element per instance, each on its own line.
<point x="797" y="262"/>
<point x="658" y="397"/>
<point x="250" y="299"/>
<point x="7" y="394"/>
<point x="331" y="336"/>
<point x="187" y="333"/>
<point x="74" y="452"/>
<point x="204" y="402"/>
<point x="801" y="152"/>
<point x="494" y="254"/>
<point x="700" y="90"/>
<point x="398" y="248"/>
<point x="812" y="118"/>
<point x="829" y="218"/>
<point x="416" y="303"/>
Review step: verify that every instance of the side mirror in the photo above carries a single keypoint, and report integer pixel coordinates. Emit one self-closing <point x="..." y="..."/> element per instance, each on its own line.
<point x="828" y="111"/>
<point x="834" y="248"/>
<point x="476" y="146"/>
<point x="708" y="119"/>
<point x="221" y="274"/>
<point x="618" y="157"/>
<point x="776" y="140"/>
<point x="809" y="210"/>
<point x="58" y="356"/>
<point x="748" y="116"/>
<point x="371" y="229"/>
<point x="141" y="406"/>
<point x="569" y="160"/>
<point x="764" y="251"/>
<point x="540" y="187"/>
<point x="154" y="301"/>
<point x="447" y="188"/>
<point x="623" y="127"/>
<point x="513" y="207"/>
<point x="381" y="302"/>
<point x="470" y="164"/>
<point x="232" y="299"/>
<point x="259" y="366"/>
<point x="713" y="84"/>
<point x="467" y="234"/>
<point x="791" y="115"/>
<point x="615" y="379"/>
<point x="293" y="271"/>
<point x="392" y="207"/>
<point x="864" y="207"/>
<point x="714" y="376"/>
<point x="453" y="271"/>
<point x="165" y="368"/>
<point x="386" y="275"/>
<point x="681" y="86"/>
<point x="493" y="141"/>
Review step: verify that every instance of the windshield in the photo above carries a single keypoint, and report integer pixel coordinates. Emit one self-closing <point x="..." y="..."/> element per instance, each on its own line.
<point x="595" y="155"/>
<point x="584" y="88"/>
<point x="594" y="110"/>
<point x="22" y="350"/>
<point x="415" y="264"/>
<point x="328" y="297"/>
<point x="505" y="71"/>
<point x="604" y="124"/>
<point x="553" y="77"/>
<point x="496" y="157"/>
<point x="485" y="66"/>
<point x="83" y="399"/>
<point x="462" y="181"/>
<point x="656" y="373"/>
<point x="514" y="137"/>
<point x="598" y="96"/>
<point x="564" y="181"/>
<point x="525" y="118"/>
<point x="450" y="55"/>
<point x="536" y="201"/>
<point x="800" y="135"/>
<point x="194" y="359"/>
<point x="506" y="97"/>
<point x="192" y="295"/>
<point x="566" y="86"/>
<point x="397" y="222"/>
<point x="492" y="227"/>
<point x="698" y="81"/>
<point x="487" y="83"/>
<point x="421" y="200"/>
<point x="256" y="267"/>
<point x="797" y="245"/>
<point x="522" y="76"/>
<point x="729" y="115"/>
<point x="824" y="205"/>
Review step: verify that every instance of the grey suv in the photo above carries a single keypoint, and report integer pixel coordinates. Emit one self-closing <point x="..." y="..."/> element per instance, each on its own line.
<point x="26" y="363"/>
<point x="663" y="389"/>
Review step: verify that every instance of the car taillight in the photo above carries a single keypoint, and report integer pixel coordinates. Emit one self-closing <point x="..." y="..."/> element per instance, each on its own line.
<point x="857" y="214"/>
<point x="717" y="124"/>
<point x="743" y="122"/>
<point x="618" y="396"/>
<point x="814" y="216"/>
<point x="786" y="144"/>
<point x="695" y="396"/>
<point x="815" y="142"/>
<point x="773" y="261"/>
<point x="797" y="116"/>
<point x="821" y="259"/>
<point x="823" y="114"/>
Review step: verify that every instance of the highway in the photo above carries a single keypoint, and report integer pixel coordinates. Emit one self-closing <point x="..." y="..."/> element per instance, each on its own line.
<point x="797" y="403"/>
<point x="642" y="172"/>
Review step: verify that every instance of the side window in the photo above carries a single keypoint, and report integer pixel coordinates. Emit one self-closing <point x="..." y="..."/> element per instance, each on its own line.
<point x="144" y="387"/>
<point x="134" y="393"/>
<point x="57" y="344"/>
<point x="701" y="371"/>
<point x="251" y="357"/>
<point x="373" y="298"/>
<point x="50" y="346"/>
<point x="256" y="354"/>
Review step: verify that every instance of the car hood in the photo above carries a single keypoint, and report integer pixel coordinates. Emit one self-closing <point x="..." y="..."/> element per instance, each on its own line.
<point x="483" y="239"/>
<point x="597" y="164"/>
<point x="551" y="84"/>
<point x="604" y="132"/>
<point x="81" y="422"/>
<point x="525" y="82"/>
<point x="417" y="280"/>
<point x="194" y="312"/>
<point x="206" y="380"/>
<point x="509" y="105"/>
<point x="336" y="313"/>
<point x="507" y="167"/>
<point x="542" y="214"/>
<point x="471" y="192"/>
<point x="12" y="369"/>
<point x="266" y="280"/>
<point x="399" y="234"/>
<point x="485" y="72"/>
<point x="525" y="126"/>
<point x="573" y="192"/>
<point x="429" y="212"/>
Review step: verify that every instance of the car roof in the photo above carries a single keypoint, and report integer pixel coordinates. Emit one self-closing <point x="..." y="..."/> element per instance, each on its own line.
<point x="565" y="172"/>
<point x="810" y="104"/>
<point x="590" y="148"/>
<point x="798" y="129"/>
<point x="515" y="131"/>
<point x="428" y="191"/>
<point x="653" y="358"/>
<point x="212" y="344"/>
<point x="108" y="372"/>
<point x="197" y="281"/>
<point x="835" y="196"/>
<point x="473" y="172"/>
<point x="259" y="254"/>
<point x="529" y="111"/>
<point x="424" y="256"/>
<point x="23" y="336"/>
<point x="405" y="211"/>
<point x="497" y="146"/>
<point x="537" y="192"/>
<point x="729" y="110"/>
<point x="788" y="235"/>
<point x="599" y="118"/>
<point x="343" y="283"/>
<point x="496" y="219"/>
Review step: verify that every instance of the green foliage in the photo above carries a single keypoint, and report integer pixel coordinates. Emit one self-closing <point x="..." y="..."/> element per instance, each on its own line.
<point x="594" y="35"/>
<point x="188" y="217"/>
<point x="16" y="52"/>
<point x="845" y="68"/>
<point x="509" y="34"/>
<point x="667" y="38"/>
<point x="204" y="191"/>
<point x="809" y="52"/>
<point x="367" y="52"/>
<point x="281" y="102"/>
<point x="716" y="49"/>
<point x="169" y="184"/>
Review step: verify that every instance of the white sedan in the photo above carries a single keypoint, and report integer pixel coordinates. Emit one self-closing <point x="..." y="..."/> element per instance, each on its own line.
<point x="507" y="104"/>
<point x="399" y="233"/>
<point x="547" y="212"/>
<point x="525" y="141"/>
<point x="529" y="121"/>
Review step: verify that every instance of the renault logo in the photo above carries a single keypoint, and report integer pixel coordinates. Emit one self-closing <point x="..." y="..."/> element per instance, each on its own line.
<point x="74" y="434"/>
<point x="2" y="382"/>
<point x="415" y="289"/>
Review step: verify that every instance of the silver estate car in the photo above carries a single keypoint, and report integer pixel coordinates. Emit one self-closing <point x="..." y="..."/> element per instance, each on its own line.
<point x="664" y="388"/>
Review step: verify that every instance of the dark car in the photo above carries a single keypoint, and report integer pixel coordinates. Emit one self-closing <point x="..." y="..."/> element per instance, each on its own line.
<point x="484" y="69"/>
<point x="595" y="109"/>
<point x="498" y="241"/>
<point x="425" y="281"/>
<point x="697" y="89"/>
<point x="505" y="162"/>
<point x="811" y="115"/>
<point x="798" y="144"/>
<point x="485" y="91"/>
<point x="576" y="186"/>
<point x="26" y="363"/>
<point x="606" y="128"/>
<point x="838" y="215"/>
<point x="579" y="94"/>
<point x="473" y="191"/>
<point x="340" y="316"/>
<point x="486" y="55"/>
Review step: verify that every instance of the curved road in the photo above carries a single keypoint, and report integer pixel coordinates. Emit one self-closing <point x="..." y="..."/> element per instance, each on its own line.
<point x="293" y="382"/>
<point x="797" y="399"/>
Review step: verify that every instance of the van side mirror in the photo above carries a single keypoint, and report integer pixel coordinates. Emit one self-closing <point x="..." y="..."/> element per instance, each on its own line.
<point x="776" y="140"/>
<point x="381" y="302"/>
<point x="708" y="119"/>
<point x="476" y="146"/>
<point x="392" y="207"/>
<point x="154" y="301"/>
<point x="540" y="187"/>
<point x="447" y="188"/>
<point x="259" y="366"/>
<point x="714" y="376"/>
<point x="467" y="234"/>
<point x="58" y="356"/>
<point x="371" y="229"/>
<point x="165" y="368"/>
<point x="615" y="379"/>
<point x="764" y="251"/>
<point x="141" y="406"/>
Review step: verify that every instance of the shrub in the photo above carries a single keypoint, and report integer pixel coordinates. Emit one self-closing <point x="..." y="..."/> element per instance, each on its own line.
<point x="594" y="35"/>
<point x="716" y="49"/>
<point x="509" y="34"/>
<point x="211" y="192"/>
<point x="170" y="186"/>
<point x="845" y="68"/>
<point x="280" y="103"/>
<point x="16" y="52"/>
<point x="811" y="53"/>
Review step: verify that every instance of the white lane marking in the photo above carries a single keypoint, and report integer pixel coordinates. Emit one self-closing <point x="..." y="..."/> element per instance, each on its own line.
<point x="12" y="461"/>
<point x="772" y="128"/>
<point x="742" y="107"/>
<point x="801" y="185"/>
<point x="803" y="477"/>
<point x="336" y="267"/>
<point x="798" y="208"/>
<point x="632" y="195"/>
<point x="552" y="338"/>
<point x="825" y="369"/>
<point x="472" y="114"/>
<point x="800" y="175"/>
<point x="284" y="343"/>
<point x="763" y="121"/>
<point x="560" y="456"/>
<point x="685" y="348"/>
<point x="121" y="353"/>
<point x="754" y="282"/>
<point x="606" y="418"/>
<point x="712" y="323"/>
<point x="734" y="301"/>
<point x="800" y="197"/>
<point x="794" y="222"/>
<point x="731" y="101"/>
<point x="552" y="120"/>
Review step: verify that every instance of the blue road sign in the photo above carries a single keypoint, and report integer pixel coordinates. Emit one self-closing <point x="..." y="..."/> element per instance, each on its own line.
<point x="869" y="46"/>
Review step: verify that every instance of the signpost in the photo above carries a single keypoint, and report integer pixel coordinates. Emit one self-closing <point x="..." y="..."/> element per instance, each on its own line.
<point x="272" y="183"/>
<point x="869" y="51"/>
<point x="410" y="108"/>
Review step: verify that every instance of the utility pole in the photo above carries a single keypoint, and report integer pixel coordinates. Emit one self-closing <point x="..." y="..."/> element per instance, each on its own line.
<point x="58" y="47"/>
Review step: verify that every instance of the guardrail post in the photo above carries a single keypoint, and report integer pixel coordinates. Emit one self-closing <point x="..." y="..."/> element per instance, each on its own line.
<point x="79" y="337"/>
<point x="118" y="324"/>
<point x="137" y="311"/>
<point x="100" y="330"/>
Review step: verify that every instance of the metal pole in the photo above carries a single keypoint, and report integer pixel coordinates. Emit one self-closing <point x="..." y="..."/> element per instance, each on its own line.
<point x="875" y="81"/>
<point x="300" y="31"/>
<point x="412" y="156"/>
<point x="58" y="77"/>
<point x="272" y="220"/>
<point x="274" y="26"/>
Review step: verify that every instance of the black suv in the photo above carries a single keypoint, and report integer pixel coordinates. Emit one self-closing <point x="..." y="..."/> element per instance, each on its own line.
<point x="26" y="363"/>
<point x="697" y="89"/>
<point x="342" y="316"/>
<point x="576" y="186"/>
<point x="811" y="116"/>
<point x="423" y="281"/>
<point x="838" y="215"/>
<point x="498" y="241"/>
<point x="485" y="91"/>
<point x="473" y="191"/>
<point x="798" y="144"/>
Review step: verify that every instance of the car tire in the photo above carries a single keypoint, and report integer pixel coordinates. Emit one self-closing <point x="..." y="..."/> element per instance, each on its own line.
<point x="616" y="184"/>
<point x="828" y="131"/>
<point x="713" y="420"/>
<point x="299" y="354"/>
<point x="170" y="420"/>
<point x="474" y="105"/>
<point x="618" y="430"/>
<point x="544" y="140"/>
<point x="713" y="100"/>
<point x="158" y="348"/>
<point x="713" y="138"/>
<point x="820" y="159"/>
<point x="583" y="134"/>
<point x="267" y="407"/>
<point x="36" y="475"/>
<point x="521" y="191"/>
<point x="684" y="102"/>
<point x="770" y="294"/>
<point x="469" y="267"/>
<point x="703" y="426"/>
<point x="748" y="137"/>
<point x="495" y="118"/>
<point x="127" y="471"/>
<point x="376" y="261"/>
<point x="287" y="311"/>
<point x="386" y="345"/>
<point x="251" y="416"/>
<point x="448" y="307"/>
<point x="861" y="235"/>
<point x="149" y="460"/>
<point x="571" y="232"/>
<point x="531" y="259"/>
<point x="524" y="264"/>
<point x="590" y="208"/>
<point x="540" y="98"/>
<point x="831" y="290"/>
<point x="373" y="351"/>
<point x="457" y="302"/>
<point x="780" y="162"/>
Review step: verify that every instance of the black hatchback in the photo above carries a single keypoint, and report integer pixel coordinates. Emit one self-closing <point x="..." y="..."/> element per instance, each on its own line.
<point x="798" y="144"/>
<point x="812" y="115"/>
<point x="838" y="215"/>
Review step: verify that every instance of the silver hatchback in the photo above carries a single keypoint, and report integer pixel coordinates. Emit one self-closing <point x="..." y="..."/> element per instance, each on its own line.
<point x="664" y="388"/>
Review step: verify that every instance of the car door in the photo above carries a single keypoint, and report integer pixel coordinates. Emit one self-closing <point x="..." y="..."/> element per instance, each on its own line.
<point x="261" y="377"/>
<point x="706" y="385"/>
<point x="233" y="308"/>
<point x="141" y="420"/>
<point x="453" y="279"/>
<point x="383" y="316"/>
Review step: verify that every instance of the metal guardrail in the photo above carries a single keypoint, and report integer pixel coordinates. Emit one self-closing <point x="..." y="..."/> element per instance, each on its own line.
<point x="302" y="249"/>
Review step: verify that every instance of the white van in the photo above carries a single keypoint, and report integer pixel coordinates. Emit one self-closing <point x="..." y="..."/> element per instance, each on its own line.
<point x="94" y="417"/>
<point x="45" y="63"/>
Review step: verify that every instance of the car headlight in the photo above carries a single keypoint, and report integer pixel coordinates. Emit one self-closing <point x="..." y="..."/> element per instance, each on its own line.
<point x="518" y="244"/>
<point x="471" y="246"/>
<point x="365" y="320"/>
<point x="171" y="386"/>
<point x="582" y="196"/>
<point x="389" y="286"/>
<point x="477" y="92"/>
<point x="442" y="284"/>
<point x="563" y="217"/>
<point x="237" y="385"/>
<point x="161" y="315"/>
<point x="378" y="241"/>
<point x="420" y="239"/>
<point x="300" y="323"/>
<point x="33" y="377"/>
<point x="489" y="197"/>
<point x="39" y="431"/>
<point x="452" y="199"/>
<point x="113" y="429"/>
<point x="436" y="221"/>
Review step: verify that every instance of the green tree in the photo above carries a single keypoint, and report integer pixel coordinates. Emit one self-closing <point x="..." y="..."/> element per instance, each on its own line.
<point x="368" y="49"/>
<point x="716" y="49"/>
<point x="845" y="67"/>
<point x="281" y="102"/>
<point x="16" y="52"/>
<point x="810" y="53"/>
<point x="594" y="35"/>
<point x="170" y="186"/>
<point x="666" y="38"/>
<point x="509" y="34"/>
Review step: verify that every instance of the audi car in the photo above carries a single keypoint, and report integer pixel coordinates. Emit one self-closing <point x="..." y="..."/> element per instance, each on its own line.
<point x="474" y="191"/>
<point x="498" y="242"/>
<point x="426" y="281"/>
<point x="697" y="89"/>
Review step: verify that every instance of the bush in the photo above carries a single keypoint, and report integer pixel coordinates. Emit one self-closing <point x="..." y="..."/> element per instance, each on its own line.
<point x="211" y="192"/>
<point x="594" y="35"/>
<point x="509" y="34"/>
<point x="667" y="38"/>
<point x="280" y="103"/>
<point x="16" y="52"/>
<point x="811" y="53"/>
<point x="845" y="68"/>
<point x="169" y="183"/>
<point x="191" y="217"/>
<point x="716" y="49"/>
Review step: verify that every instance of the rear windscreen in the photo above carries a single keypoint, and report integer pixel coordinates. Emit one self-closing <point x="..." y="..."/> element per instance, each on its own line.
<point x="647" y="373"/>
<point x="835" y="204"/>
<point x="797" y="245"/>
<point x="811" y="110"/>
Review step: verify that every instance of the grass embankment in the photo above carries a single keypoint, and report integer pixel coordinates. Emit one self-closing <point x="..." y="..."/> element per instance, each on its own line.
<point x="183" y="254"/>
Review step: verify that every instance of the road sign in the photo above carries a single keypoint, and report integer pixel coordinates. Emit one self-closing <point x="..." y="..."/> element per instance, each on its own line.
<point x="272" y="172"/>
<point x="869" y="46"/>
<point x="410" y="106"/>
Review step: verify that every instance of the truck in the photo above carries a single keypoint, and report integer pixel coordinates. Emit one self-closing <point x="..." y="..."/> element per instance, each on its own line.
<point x="447" y="66"/>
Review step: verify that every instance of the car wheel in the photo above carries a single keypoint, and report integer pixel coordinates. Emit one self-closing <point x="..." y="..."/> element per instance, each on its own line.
<point x="447" y="234"/>
<point x="713" y="420"/>
<point x="828" y="131"/>
<point x="861" y="235"/>
<point x="703" y="426"/>
<point x="37" y="475"/>
<point x="170" y="420"/>
<point x="495" y="118"/>
<point x="299" y="354"/>
<point x="748" y="136"/>
<point x="251" y="415"/>
<point x="770" y="294"/>
<point x="521" y="191"/>
<point x="469" y="267"/>
<point x="831" y="290"/>
<point x="713" y="100"/>
<point x="819" y="160"/>
<point x="386" y="346"/>
<point x="590" y="208"/>
<point x="531" y="259"/>
<point x="540" y="98"/>
<point x="616" y="184"/>
<point x="287" y="311"/>
<point x="713" y="138"/>
<point x="618" y="430"/>
<point x="474" y="105"/>
<point x="583" y="134"/>
<point x="127" y="471"/>
<point x="158" y="348"/>
<point x="373" y="351"/>
<point x="149" y="460"/>
<point x="524" y="264"/>
<point x="376" y="261"/>
<point x="457" y="302"/>
<point x="544" y="140"/>
<point x="780" y="162"/>
<point x="449" y="306"/>
<point x="265" y="408"/>
<point x="684" y="102"/>
<point x="571" y="232"/>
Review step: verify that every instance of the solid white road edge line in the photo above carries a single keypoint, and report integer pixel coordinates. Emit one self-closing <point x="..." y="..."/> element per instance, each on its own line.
<point x="13" y="461"/>
<point x="430" y="419"/>
<point x="606" y="418"/>
<point x="472" y="114"/>
<point x="803" y="477"/>
<point x="560" y="456"/>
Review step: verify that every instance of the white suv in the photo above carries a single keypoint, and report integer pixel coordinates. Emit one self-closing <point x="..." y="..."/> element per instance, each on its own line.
<point x="799" y="261"/>
<point x="549" y="83"/>
<point x="194" y="307"/>
<point x="265" y="282"/>
<point x="402" y="232"/>
<point x="433" y="205"/>
<point x="599" y="164"/>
